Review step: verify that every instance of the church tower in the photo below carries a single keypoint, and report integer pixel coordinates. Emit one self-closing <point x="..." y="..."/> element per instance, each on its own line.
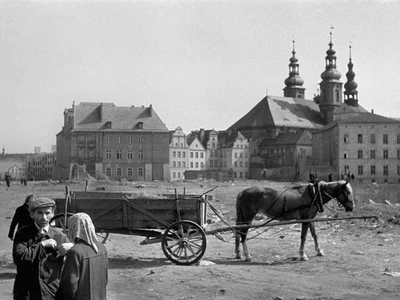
<point x="350" y="93"/>
<point x="330" y="86"/>
<point x="294" y="82"/>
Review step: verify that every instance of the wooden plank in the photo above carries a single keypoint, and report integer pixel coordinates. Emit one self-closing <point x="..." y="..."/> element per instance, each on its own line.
<point x="151" y="215"/>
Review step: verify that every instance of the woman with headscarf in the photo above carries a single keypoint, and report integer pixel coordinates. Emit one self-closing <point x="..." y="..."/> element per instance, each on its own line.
<point x="85" y="274"/>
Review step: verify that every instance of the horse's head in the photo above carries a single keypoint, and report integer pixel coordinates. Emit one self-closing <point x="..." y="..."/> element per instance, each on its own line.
<point x="345" y="195"/>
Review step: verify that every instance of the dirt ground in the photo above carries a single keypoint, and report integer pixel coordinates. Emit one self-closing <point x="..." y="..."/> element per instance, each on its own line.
<point x="361" y="259"/>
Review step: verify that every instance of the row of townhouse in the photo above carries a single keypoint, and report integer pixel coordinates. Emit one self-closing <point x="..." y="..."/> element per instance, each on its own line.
<point x="208" y="153"/>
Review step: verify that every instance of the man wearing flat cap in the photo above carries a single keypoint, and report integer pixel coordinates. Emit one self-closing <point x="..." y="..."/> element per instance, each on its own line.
<point x="38" y="251"/>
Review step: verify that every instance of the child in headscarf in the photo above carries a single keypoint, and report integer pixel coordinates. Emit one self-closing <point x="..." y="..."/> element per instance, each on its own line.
<point x="85" y="274"/>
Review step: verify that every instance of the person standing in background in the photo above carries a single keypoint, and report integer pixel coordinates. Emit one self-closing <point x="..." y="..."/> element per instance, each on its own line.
<point x="22" y="216"/>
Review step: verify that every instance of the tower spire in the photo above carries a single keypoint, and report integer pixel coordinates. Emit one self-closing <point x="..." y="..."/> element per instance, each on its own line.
<point x="294" y="82"/>
<point x="350" y="93"/>
<point x="330" y="86"/>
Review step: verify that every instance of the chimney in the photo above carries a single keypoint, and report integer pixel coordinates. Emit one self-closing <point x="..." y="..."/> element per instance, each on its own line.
<point x="151" y="110"/>
<point x="101" y="112"/>
<point x="372" y="111"/>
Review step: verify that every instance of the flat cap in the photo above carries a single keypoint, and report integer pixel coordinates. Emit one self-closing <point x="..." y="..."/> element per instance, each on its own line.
<point x="40" y="202"/>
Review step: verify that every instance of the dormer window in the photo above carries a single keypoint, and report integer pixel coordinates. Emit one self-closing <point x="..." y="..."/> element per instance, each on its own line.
<point x="140" y="125"/>
<point x="108" y="125"/>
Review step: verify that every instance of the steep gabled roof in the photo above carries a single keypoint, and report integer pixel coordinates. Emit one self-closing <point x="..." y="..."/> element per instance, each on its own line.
<point x="94" y="116"/>
<point x="281" y="111"/>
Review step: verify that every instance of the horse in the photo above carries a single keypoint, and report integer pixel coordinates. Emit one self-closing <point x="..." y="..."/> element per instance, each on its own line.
<point x="296" y="203"/>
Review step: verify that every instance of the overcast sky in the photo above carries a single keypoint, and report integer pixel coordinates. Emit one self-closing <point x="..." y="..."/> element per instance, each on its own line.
<point x="201" y="64"/>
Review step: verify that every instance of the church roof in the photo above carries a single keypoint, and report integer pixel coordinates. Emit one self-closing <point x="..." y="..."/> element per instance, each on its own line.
<point x="345" y="108"/>
<point x="94" y="116"/>
<point x="280" y="112"/>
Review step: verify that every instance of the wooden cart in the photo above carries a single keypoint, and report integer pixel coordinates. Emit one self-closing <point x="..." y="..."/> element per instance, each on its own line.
<point x="177" y="221"/>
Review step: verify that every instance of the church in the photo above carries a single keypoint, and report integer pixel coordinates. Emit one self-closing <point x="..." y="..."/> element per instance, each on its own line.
<point x="331" y="134"/>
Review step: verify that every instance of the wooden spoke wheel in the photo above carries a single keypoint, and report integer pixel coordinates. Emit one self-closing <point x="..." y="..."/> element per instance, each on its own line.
<point x="59" y="221"/>
<point x="184" y="242"/>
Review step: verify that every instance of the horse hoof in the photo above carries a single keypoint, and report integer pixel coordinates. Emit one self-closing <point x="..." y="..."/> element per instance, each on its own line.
<point x="238" y="256"/>
<point x="304" y="258"/>
<point x="248" y="259"/>
<point x="320" y="253"/>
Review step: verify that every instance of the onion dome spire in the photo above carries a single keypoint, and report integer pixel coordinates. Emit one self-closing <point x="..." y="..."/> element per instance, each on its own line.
<point x="294" y="79"/>
<point x="294" y="82"/>
<point x="350" y="93"/>
<point x="330" y="72"/>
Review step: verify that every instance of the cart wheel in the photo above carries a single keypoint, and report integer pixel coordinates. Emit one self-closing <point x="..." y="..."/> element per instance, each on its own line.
<point x="184" y="243"/>
<point x="59" y="221"/>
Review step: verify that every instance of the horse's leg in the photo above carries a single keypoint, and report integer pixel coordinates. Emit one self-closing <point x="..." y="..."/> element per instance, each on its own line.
<point x="245" y="248"/>
<point x="237" y="244"/>
<point x="304" y="229"/>
<point x="314" y="235"/>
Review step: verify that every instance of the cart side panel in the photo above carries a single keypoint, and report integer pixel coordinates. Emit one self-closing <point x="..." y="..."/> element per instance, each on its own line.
<point x="109" y="211"/>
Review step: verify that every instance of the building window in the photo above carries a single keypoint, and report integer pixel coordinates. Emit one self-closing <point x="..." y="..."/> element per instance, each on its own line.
<point x="373" y="139"/>
<point x="129" y="172"/>
<point x="108" y="172"/>
<point x="130" y="139"/>
<point x="359" y="139"/>
<point x="140" y="125"/>
<point x="173" y="174"/>
<point x="235" y="164"/>
<point x="183" y="164"/>
<point x="373" y="170"/>
<point x="398" y="139"/>
<point x="345" y="155"/>
<point x="108" y="139"/>
<point x="179" y="153"/>
<point x="173" y="154"/>
<point x="386" y="170"/>
<point x="119" y="172"/>
<point x="130" y="154"/>
<point x="201" y="155"/>
<point x="360" y="170"/>
<point x="118" y="139"/>
<point x="346" y="138"/>
<point x="108" y="154"/>
<point x="385" y="154"/>
<point x="119" y="154"/>
<point x="140" y="154"/>
<point x="191" y="165"/>
<point x="385" y="139"/>
<point x="191" y="154"/>
<point x="360" y="154"/>
<point x="174" y="164"/>
<point x="140" y="172"/>
<point x="372" y="154"/>
<point x="183" y="154"/>
<point x="197" y="165"/>
<point x="197" y="155"/>
<point x="202" y="165"/>
<point x="211" y="163"/>
<point x="398" y="170"/>
<point x="140" y="139"/>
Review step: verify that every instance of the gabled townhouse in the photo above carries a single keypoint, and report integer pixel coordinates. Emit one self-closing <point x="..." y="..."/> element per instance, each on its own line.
<point x="178" y="154"/>
<point x="197" y="154"/>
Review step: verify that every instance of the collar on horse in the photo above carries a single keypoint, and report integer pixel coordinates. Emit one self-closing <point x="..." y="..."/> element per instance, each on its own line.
<point x="315" y="192"/>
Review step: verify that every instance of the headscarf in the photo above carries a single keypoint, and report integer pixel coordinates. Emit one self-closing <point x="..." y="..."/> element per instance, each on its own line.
<point x="80" y="226"/>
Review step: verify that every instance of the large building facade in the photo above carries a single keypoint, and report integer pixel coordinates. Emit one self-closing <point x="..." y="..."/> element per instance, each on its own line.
<point x="105" y="141"/>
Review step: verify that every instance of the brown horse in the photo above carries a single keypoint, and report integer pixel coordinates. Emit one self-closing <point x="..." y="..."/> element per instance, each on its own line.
<point x="297" y="203"/>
